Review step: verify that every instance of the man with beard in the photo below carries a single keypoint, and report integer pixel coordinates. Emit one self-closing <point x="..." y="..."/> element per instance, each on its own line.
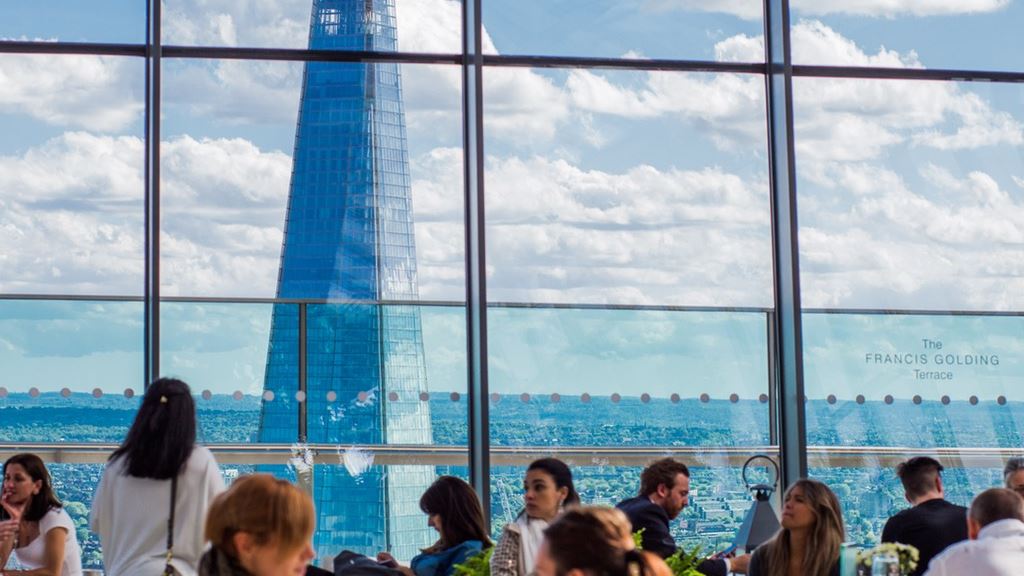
<point x="664" y="492"/>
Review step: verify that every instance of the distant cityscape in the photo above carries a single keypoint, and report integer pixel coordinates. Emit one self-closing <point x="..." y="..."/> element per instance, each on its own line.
<point x="719" y="501"/>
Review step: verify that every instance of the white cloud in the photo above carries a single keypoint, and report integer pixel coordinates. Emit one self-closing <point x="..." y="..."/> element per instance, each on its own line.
<point x="93" y="92"/>
<point x="814" y="41"/>
<point x="746" y="9"/>
<point x="752" y="9"/>
<point x="423" y="25"/>
<point x="855" y="120"/>
<point x="893" y="8"/>
<point x="879" y="243"/>
<point x="729" y="107"/>
<point x="559" y="233"/>
<point x="235" y="91"/>
<point x="71" y="216"/>
<point x="261" y="23"/>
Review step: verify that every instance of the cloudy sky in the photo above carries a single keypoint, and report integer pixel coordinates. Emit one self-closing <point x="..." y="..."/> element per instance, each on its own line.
<point x="646" y="188"/>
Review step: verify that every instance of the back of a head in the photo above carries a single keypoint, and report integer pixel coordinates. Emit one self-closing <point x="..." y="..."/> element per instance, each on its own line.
<point x="271" y="510"/>
<point x="462" y="517"/>
<point x="163" y="434"/>
<point x="597" y="541"/>
<point x="562" y="475"/>
<point x="918" y="475"/>
<point x="996" y="504"/>
<point x="663" y="471"/>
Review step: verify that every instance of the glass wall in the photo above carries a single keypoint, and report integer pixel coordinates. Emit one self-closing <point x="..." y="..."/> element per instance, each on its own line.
<point x="909" y="235"/>
<point x="314" y="278"/>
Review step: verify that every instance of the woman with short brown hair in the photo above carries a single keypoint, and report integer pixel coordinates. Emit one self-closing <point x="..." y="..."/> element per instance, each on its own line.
<point x="261" y="526"/>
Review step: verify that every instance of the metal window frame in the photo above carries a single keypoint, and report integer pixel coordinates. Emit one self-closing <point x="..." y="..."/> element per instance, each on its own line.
<point x="786" y="387"/>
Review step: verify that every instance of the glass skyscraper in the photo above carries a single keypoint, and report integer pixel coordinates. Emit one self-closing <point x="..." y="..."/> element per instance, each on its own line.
<point x="349" y="237"/>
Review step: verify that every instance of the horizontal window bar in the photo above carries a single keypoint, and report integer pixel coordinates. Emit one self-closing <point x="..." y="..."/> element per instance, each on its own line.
<point x="393" y="454"/>
<point x="77" y="48"/>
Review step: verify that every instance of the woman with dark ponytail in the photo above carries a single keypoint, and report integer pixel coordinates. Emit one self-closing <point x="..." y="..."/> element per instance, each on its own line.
<point x="594" y="541"/>
<point x="158" y="464"/>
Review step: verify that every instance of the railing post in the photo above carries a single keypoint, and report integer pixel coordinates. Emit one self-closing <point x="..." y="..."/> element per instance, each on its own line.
<point x="788" y="329"/>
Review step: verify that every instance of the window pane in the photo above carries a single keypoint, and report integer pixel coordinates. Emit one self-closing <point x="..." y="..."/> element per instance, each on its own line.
<point x="717" y="505"/>
<point x="252" y="209"/>
<point x="71" y="154"/>
<point x="73" y="362"/>
<point x="676" y="29"/>
<point x="954" y="35"/>
<point x="611" y="188"/>
<point x="108" y="21"/>
<point x="403" y="25"/>
<point x="910" y="219"/>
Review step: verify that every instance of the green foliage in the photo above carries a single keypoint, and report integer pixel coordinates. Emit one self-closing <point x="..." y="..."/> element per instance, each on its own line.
<point x="684" y="563"/>
<point x="478" y="564"/>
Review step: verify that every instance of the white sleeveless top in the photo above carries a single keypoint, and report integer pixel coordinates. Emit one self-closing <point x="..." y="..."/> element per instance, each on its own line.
<point x="34" y="555"/>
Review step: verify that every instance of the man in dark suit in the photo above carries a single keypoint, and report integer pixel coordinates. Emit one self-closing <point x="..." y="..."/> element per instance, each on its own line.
<point x="932" y="524"/>
<point x="664" y="492"/>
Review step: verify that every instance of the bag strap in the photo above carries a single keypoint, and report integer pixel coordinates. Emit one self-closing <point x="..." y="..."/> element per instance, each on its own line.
<point x="170" y="520"/>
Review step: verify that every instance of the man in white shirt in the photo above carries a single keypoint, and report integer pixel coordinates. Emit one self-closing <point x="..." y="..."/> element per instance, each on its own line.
<point x="995" y="526"/>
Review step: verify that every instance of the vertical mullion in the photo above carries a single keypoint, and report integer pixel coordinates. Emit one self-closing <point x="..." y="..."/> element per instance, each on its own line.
<point x="786" y="256"/>
<point x="302" y="384"/>
<point x="476" y="294"/>
<point x="151" y="197"/>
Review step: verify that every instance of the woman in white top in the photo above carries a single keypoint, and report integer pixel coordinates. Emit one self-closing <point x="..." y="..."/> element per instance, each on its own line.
<point x="36" y="526"/>
<point x="548" y="489"/>
<point x="132" y="502"/>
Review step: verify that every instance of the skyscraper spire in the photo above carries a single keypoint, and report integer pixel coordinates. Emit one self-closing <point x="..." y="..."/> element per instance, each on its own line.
<point x="349" y="237"/>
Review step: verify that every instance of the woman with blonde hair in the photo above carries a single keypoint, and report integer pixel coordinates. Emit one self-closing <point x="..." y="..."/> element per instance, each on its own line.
<point x="261" y="526"/>
<point x="594" y="541"/>
<point x="811" y="534"/>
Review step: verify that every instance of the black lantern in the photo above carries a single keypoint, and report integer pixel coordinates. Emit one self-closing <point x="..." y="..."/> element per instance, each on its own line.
<point x="761" y="522"/>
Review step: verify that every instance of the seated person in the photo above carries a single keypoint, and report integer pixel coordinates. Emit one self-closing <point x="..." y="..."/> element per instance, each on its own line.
<point x="932" y="523"/>
<point x="1013" y="475"/>
<point x="548" y="486"/>
<point x="453" y="509"/>
<point x="808" y="542"/>
<point x="36" y="529"/>
<point x="261" y="526"/>
<point x="995" y="525"/>
<point x="594" y="541"/>
<point x="664" y="492"/>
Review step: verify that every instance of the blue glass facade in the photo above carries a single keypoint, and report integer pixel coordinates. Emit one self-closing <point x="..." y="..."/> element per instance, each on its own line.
<point x="349" y="236"/>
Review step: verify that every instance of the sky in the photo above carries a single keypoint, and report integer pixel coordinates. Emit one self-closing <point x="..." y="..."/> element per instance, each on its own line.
<point x="603" y="187"/>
